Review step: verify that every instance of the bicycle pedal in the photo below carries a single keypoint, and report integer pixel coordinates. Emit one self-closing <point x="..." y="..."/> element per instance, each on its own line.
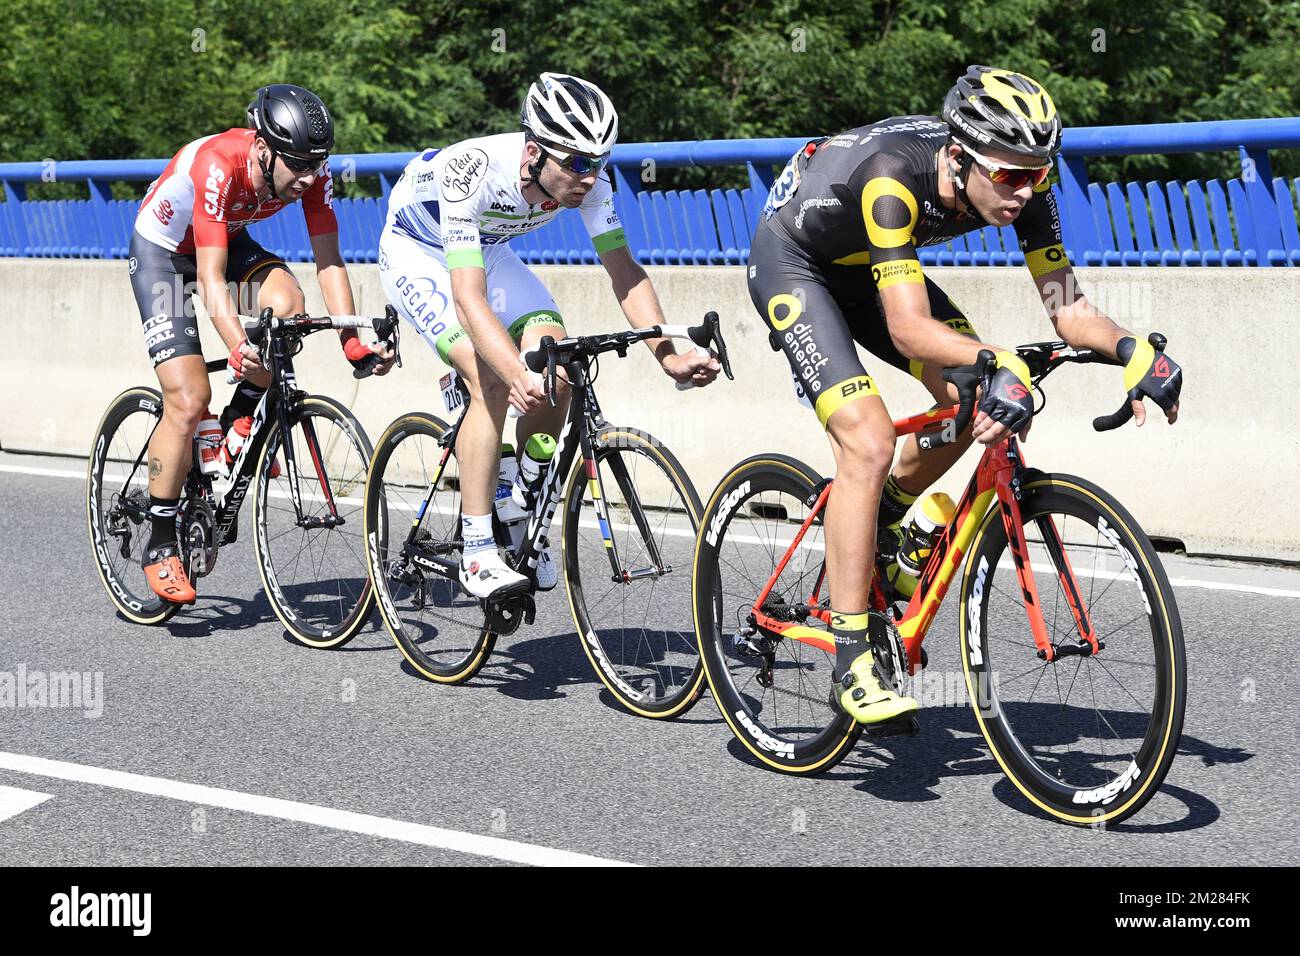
<point x="907" y="726"/>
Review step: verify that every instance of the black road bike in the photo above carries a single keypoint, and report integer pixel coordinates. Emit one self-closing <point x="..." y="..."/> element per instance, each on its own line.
<point x="630" y="519"/>
<point x="307" y="514"/>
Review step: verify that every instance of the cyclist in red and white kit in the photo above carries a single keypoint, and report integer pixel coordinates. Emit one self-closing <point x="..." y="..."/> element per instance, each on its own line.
<point x="190" y="236"/>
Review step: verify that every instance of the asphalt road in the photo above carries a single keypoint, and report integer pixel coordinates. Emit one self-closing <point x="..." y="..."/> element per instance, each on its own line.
<point x="346" y="757"/>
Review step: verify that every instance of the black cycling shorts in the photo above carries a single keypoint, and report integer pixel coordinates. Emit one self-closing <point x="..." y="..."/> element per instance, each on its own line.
<point x="164" y="283"/>
<point x="816" y="312"/>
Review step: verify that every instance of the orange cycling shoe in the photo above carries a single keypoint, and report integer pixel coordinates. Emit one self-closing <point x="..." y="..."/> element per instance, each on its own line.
<point x="166" y="575"/>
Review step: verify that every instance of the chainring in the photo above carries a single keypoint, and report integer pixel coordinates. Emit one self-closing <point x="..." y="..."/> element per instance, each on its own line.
<point x="198" y="538"/>
<point x="889" y="653"/>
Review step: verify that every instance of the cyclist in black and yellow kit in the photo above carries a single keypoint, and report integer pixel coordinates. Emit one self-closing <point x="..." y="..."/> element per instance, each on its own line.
<point x="834" y="261"/>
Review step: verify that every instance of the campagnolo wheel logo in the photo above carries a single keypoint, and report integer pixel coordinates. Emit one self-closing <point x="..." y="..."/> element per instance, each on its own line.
<point x="605" y="666"/>
<point x="377" y="569"/>
<point x="101" y="549"/>
<point x="725" y="508"/>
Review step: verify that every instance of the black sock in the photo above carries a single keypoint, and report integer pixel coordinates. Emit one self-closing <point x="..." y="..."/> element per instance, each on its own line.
<point x="162" y="514"/>
<point x="242" y="403"/>
<point x="850" y="632"/>
<point x="894" y="502"/>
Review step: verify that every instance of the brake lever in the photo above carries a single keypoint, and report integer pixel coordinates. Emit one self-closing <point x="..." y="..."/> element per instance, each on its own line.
<point x="386" y="329"/>
<point x="550" y="377"/>
<point x="967" y="379"/>
<point x="704" y="336"/>
<point x="715" y="333"/>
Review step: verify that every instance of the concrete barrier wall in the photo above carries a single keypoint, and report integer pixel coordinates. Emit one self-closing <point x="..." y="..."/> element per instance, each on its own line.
<point x="1225" y="479"/>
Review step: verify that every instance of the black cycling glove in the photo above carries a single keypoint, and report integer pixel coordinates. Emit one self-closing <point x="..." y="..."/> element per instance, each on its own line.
<point x="1148" y="373"/>
<point x="1010" y="397"/>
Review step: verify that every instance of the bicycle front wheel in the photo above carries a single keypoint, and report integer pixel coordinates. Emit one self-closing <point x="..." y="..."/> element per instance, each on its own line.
<point x="413" y="546"/>
<point x="309" y="542"/>
<point x="1086" y="738"/>
<point x="634" y="620"/>
<point x="774" y="692"/>
<point x="117" y="504"/>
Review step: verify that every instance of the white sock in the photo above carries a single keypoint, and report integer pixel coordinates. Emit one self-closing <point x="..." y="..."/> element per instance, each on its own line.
<point x="476" y="531"/>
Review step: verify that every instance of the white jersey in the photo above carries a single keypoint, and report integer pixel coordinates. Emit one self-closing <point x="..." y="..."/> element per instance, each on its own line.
<point x="459" y="199"/>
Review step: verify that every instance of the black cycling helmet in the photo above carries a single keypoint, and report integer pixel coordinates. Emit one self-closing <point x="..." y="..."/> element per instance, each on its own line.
<point x="1003" y="110"/>
<point x="292" y="120"/>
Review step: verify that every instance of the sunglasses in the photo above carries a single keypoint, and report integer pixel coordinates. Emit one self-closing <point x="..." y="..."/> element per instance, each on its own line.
<point x="578" y="163"/>
<point x="300" y="166"/>
<point x="1015" y="177"/>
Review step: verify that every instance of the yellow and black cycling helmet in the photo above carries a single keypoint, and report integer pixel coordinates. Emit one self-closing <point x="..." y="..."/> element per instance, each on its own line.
<point x="999" y="109"/>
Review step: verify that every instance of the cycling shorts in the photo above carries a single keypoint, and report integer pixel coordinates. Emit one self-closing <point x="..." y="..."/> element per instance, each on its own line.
<point x="418" y="284"/>
<point x="164" y="283"/>
<point x="816" y="311"/>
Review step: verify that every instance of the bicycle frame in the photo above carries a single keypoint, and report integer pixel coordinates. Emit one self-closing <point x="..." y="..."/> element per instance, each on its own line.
<point x="999" y="476"/>
<point x="280" y="395"/>
<point x="581" y="425"/>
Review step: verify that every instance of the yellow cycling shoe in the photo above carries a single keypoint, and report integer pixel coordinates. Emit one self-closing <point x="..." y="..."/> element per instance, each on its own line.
<point x="867" y="698"/>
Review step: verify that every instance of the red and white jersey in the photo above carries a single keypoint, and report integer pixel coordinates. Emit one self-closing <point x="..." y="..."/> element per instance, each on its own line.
<point x="205" y="195"/>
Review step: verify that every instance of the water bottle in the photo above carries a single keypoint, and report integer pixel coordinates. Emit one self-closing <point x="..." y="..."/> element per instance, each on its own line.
<point x="207" y="440"/>
<point x="538" y="452"/>
<point x="930" y="516"/>
<point x="235" y="439"/>
<point x="510" y="515"/>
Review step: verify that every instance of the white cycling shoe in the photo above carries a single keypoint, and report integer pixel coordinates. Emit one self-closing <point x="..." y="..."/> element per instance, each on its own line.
<point x="485" y="576"/>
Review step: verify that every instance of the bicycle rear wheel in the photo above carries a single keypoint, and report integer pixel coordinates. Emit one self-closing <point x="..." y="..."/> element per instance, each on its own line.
<point x="774" y="692"/>
<point x="313" y="563"/>
<point x="117" y="504"/>
<point x="413" y="546"/>
<point x="636" y="630"/>
<point x="1086" y="738"/>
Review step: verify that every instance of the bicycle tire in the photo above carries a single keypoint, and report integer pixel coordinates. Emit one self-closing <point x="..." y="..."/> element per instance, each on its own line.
<point x="1026" y="737"/>
<point x="396" y="488"/>
<point x="651" y="671"/>
<point x="111" y="530"/>
<point x="317" y="611"/>
<point x="821" y="734"/>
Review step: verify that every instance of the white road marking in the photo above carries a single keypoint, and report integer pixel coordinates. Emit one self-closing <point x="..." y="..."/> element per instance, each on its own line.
<point x="747" y="539"/>
<point x="14" y="801"/>
<point x="494" y="847"/>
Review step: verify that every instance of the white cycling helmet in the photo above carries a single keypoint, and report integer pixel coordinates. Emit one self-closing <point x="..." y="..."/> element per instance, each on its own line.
<point x="570" y="114"/>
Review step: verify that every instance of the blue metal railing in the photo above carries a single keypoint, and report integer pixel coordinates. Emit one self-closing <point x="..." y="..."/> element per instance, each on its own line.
<point x="1213" y="222"/>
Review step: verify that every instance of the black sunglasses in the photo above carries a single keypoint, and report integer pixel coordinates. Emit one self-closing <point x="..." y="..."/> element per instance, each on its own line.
<point x="297" y="164"/>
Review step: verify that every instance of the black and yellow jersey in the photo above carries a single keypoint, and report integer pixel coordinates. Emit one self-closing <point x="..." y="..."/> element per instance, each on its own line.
<point x="870" y="196"/>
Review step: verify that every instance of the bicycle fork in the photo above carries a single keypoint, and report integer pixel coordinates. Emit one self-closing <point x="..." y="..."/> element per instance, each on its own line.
<point x="1008" y="472"/>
